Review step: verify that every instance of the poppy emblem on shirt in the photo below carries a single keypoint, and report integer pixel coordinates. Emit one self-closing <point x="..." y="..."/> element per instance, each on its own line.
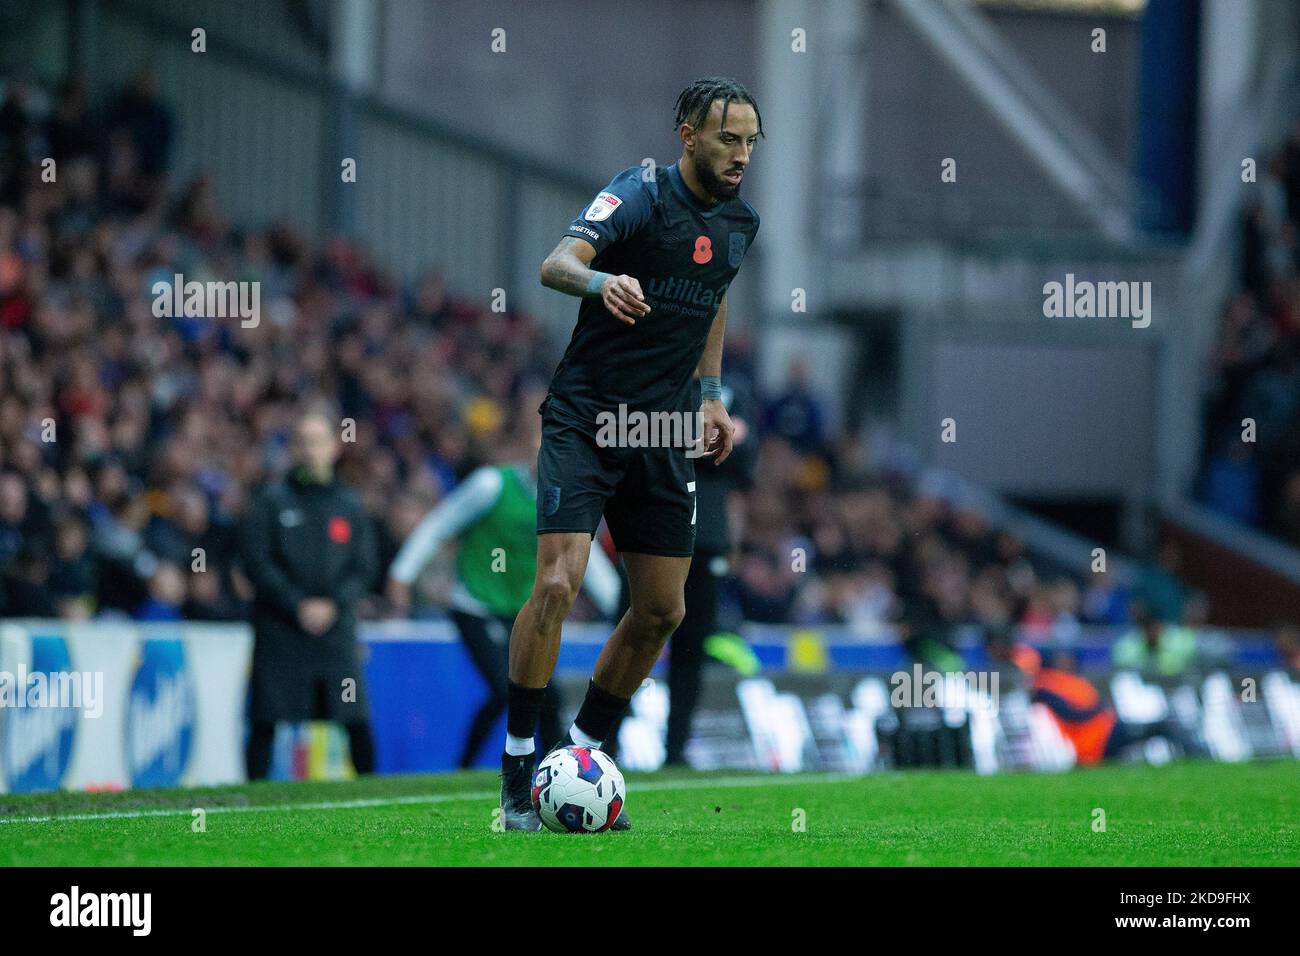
<point x="703" y="250"/>
<point x="340" y="531"/>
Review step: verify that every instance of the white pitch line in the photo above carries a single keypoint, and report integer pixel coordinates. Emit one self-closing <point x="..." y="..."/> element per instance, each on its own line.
<point x="722" y="783"/>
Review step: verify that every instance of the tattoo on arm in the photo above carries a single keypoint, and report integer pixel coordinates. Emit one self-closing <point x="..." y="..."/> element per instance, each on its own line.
<point x="564" y="271"/>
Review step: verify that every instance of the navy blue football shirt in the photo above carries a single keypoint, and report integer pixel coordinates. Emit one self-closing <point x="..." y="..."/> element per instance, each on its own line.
<point x="684" y="253"/>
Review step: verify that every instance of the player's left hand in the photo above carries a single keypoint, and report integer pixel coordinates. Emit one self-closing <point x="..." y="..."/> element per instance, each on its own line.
<point x="717" y="432"/>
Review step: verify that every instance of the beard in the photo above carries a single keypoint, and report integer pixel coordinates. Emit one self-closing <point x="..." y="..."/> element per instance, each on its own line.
<point x="713" y="184"/>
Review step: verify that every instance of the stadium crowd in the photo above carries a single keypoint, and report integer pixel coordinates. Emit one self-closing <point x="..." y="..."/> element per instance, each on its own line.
<point x="1255" y="371"/>
<point x="130" y="442"/>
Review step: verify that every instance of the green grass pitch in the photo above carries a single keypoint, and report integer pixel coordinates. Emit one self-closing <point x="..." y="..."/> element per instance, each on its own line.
<point x="1189" y="814"/>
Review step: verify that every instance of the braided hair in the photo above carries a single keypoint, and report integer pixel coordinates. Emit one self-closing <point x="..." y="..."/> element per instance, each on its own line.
<point x="693" y="102"/>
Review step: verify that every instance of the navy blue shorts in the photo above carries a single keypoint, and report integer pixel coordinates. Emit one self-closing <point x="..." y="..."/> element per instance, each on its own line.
<point x="647" y="495"/>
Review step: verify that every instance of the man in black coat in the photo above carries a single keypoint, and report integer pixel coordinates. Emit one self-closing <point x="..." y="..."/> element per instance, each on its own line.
<point x="718" y="496"/>
<point x="715" y="536"/>
<point x="309" y="549"/>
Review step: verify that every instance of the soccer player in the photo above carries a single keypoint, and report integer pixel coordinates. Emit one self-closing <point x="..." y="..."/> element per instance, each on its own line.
<point x="651" y="259"/>
<point x="492" y="515"/>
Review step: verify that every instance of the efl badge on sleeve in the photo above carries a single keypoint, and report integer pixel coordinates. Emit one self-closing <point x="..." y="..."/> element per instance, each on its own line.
<point x="602" y="207"/>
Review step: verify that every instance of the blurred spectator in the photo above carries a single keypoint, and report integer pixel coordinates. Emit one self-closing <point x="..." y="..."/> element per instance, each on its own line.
<point x="73" y="132"/>
<point x="72" y="573"/>
<point x="1273" y="394"/>
<point x="796" y="414"/>
<point x="1231" y="483"/>
<point x="1106" y="600"/>
<point x="24" y="547"/>
<point x="166" y="594"/>
<point x="142" y="116"/>
<point x="16" y="521"/>
<point x="1156" y="647"/>
<point x="1159" y="585"/>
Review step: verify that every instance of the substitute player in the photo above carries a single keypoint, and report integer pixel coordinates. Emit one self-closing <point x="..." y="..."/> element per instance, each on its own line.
<point x="651" y="258"/>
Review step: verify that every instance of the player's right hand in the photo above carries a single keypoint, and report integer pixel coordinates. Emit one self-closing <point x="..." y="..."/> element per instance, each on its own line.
<point x="622" y="296"/>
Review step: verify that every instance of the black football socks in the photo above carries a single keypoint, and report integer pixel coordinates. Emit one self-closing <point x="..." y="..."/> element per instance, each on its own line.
<point x="523" y="705"/>
<point x="596" y="717"/>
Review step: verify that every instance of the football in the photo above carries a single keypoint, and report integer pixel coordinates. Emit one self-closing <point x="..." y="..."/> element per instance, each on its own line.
<point x="578" y="790"/>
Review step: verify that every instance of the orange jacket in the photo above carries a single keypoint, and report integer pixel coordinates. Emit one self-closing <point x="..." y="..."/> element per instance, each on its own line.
<point x="1074" y="703"/>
